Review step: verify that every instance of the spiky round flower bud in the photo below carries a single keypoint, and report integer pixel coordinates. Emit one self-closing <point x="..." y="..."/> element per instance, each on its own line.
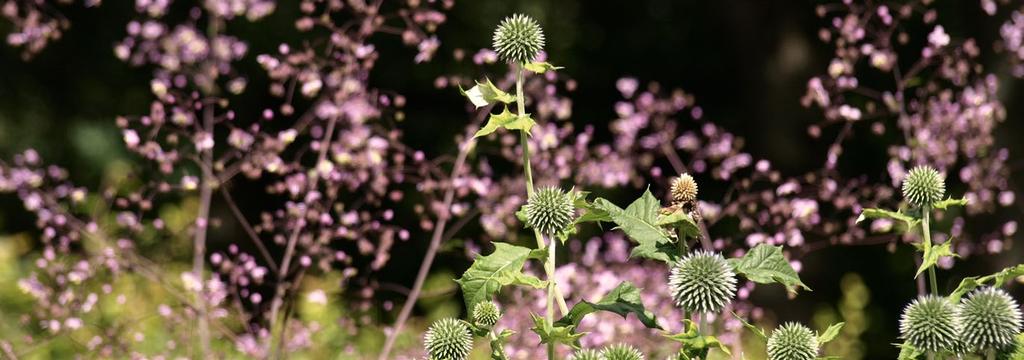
<point x="586" y="354"/>
<point x="929" y="323"/>
<point x="518" y="39"/>
<point x="702" y="282"/>
<point x="989" y="319"/>
<point x="448" y="339"/>
<point x="684" y="188"/>
<point x="549" y="210"/>
<point x="486" y="314"/>
<point x="792" y="341"/>
<point x="621" y="352"/>
<point x="923" y="185"/>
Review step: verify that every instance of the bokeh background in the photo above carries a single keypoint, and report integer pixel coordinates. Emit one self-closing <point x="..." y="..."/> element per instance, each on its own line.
<point x="746" y="61"/>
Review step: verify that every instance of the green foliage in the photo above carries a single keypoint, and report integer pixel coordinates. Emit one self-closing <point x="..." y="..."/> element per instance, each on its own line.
<point x="694" y="344"/>
<point x="830" y="333"/>
<point x="872" y="213"/>
<point x="486" y="93"/>
<point x="997" y="279"/>
<point x="622" y="300"/>
<point x="498" y="344"/>
<point x="503" y="267"/>
<point x="541" y="67"/>
<point x="945" y="204"/>
<point x="507" y="120"/>
<point x="765" y="264"/>
<point x="557" y="334"/>
<point x="640" y="223"/>
<point x="932" y="254"/>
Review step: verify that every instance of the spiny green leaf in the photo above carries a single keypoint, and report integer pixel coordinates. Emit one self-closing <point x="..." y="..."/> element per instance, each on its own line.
<point x="508" y="120"/>
<point x="557" y="334"/>
<point x="872" y="213"/>
<point x="932" y="254"/>
<point x="942" y="205"/>
<point x="830" y="333"/>
<point x="541" y="67"/>
<point x="488" y="274"/>
<point x="765" y="264"/>
<point x="622" y="300"/>
<point x="908" y="352"/>
<point x="756" y="330"/>
<point x="498" y="344"/>
<point x="486" y="93"/>
<point x="639" y="222"/>
<point x="997" y="279"/>
<point x="695" y="345"/>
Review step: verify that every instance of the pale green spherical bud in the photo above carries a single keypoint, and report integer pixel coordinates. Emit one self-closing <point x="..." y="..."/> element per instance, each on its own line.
<point x="989" y="319"/>
<point x="702" y="282"/>
<point x="549" y="210"/>
<point x="586" y="354"/>
<point x="621" y="352"/>
<point x="929" y="323"/>
<point x="486" y="314"/>
<point x="792" y="341"/>
<point x="448" y="339"/>
<point x="518" y="39"/>
<point x="923" y="185"/>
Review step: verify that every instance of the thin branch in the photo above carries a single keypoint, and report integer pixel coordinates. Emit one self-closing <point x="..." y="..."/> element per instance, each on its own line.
<point x="248" y="228"/>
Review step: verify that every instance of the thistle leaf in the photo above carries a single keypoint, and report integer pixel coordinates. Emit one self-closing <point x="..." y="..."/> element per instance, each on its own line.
<point x="640" y="223"/>
<point x="503" y="267"/>
<point x="486" y="93"/>
<point x="680" y="220"/>
<point x="997" y="279"/>
<point x="765" y="264"/>
<point x="622" y="300"/>
<point x="507" y="120"/>
<point x="695" y="345"/>
<point x="541" y="67"/>
<point x="873" y="213"/>
<point x="942" y="205"/>
<point x="558" y="334"/>
<point x="756" y="330"/>
<point x="830" y="333"/>
<point x="932" y="254"/>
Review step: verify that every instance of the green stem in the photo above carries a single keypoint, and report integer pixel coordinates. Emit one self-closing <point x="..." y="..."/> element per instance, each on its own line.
<point x="927" y="232"/>
<point x="554" y="294"/>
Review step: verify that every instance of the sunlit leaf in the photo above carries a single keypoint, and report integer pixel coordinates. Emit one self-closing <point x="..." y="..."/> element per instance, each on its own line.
<point x="765" y="264"/>
<point x="507" y="120"/>
<point x="541" y="67"/>
<point x="488" y="274"/>
<point x="622" y="300"/>
<point x="486" y="93"/>
<point x="830" y="333"/>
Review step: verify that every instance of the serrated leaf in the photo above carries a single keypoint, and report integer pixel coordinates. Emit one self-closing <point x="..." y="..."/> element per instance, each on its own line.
<point x="695" y="345"/>
<point x="908" y="352"/>
<point x="830" y="333"/>
<point x="541" y="67"/>
<point x="622" y="300"/>
<point x="498" y="344"/>
<point x="486" y="93"/>
<point x="488" y="274"/>
<point x="997" y="279"/>
<point x="639" y="222"/>
<point x="765" y="264"/>
<point x="754" y="329"/>
<point x="557" y="334"/>
<point x="873" y="213"/>
<point x="943" y="204"/>
<point x="507" y="120"/>
<point x="932" y="254"/>
<point x="680" y="220"/>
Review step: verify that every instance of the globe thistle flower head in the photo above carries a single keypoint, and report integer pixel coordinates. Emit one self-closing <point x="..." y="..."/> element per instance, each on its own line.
<point x="923" y="185"/>
<point x="549" y="210"/>
<point x="702" y="282"/>
<point x="586" y="354"/>
<point x="989" y="319"/>
<point x="621" y="352"/>
<point x="486" y="314"/>
<point x="792" y="341"/>
<point x="929" y="323"/>
<point x="448" y="339"/>
<point x="684" y="189"/>
<point x="518" y="39"/>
